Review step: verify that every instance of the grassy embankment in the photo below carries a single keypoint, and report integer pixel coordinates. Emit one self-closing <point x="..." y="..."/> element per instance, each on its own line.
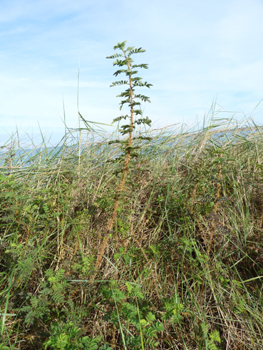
<point x="183" y="262"/>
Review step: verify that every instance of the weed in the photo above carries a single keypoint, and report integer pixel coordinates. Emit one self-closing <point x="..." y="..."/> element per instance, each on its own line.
<point x="129" y="150"/>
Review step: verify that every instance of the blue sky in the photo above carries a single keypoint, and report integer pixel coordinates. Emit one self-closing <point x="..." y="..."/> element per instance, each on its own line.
<point x="198" y="52"/>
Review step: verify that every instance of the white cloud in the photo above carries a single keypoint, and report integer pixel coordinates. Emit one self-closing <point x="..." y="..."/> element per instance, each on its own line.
<point x="197" y="52"/>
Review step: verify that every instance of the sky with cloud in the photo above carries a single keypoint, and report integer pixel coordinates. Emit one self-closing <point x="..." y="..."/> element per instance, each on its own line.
<point x="199" y="53"/>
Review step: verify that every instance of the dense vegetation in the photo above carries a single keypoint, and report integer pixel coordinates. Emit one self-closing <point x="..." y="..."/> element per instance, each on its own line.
<point x="179" y="267"/>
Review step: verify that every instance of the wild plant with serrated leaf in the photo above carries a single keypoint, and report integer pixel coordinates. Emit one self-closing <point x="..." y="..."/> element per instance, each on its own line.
<point x="51" y="296"/>
<point x="66" y="336"/>
<point x="127" y="145"/>
<point x="132" y="308"/>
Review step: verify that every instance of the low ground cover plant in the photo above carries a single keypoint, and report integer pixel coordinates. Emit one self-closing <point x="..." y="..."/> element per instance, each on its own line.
<point x="136" y="241"/>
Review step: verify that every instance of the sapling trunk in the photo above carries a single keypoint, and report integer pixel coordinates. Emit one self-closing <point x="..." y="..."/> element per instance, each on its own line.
<point x="127" y="145"/>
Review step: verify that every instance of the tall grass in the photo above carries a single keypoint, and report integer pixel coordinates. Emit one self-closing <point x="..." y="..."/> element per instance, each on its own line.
<point x="183" y="264"/>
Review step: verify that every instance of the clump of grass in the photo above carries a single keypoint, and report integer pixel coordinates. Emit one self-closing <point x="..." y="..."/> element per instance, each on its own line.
<point x="182" y="265"/>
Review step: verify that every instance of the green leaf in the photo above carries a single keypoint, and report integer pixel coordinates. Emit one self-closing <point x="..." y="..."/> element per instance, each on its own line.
<point x="3" y="347"/>
<point x="142" y="97"/>
<point x="136" y="79"/>
<point x="159" y="327"/>
<point x="150" y="317"/>
<point x="120" y="118"/>
<point x="119" y="72"/>
<point x="116" y="55"/>
<point x="124" y="94"/>
<point x="129" y="287"/>
<point x="62" y="341"/>
<point x="140" y="66"/>
<point x="145" y="120"/>
<point x="136" y="51"/>
<point x="144" y="322"/>
<point x="121" y="82"/>
<point x="120" y="46"/>
<point x="137" y="111"/>
<point x="9" y="195"/>
<point x="131" y="72"/>
<point x="214" y="336"/>
<point x="120" y="63"/>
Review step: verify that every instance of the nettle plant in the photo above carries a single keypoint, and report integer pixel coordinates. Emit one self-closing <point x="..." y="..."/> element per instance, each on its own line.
<point x="127" y="146"/>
